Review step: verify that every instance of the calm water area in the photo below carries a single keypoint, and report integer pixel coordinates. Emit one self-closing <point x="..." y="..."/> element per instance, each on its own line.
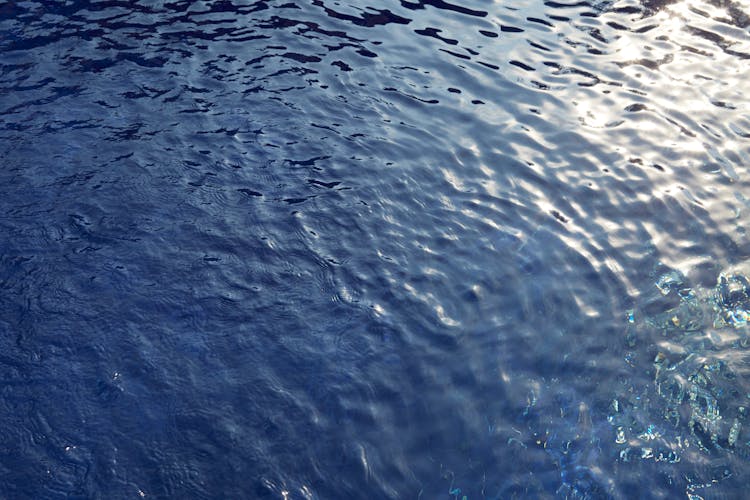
<point x="396" y="249"/>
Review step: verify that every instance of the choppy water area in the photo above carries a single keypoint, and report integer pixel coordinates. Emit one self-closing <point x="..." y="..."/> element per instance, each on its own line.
<point x="414" y="249"/>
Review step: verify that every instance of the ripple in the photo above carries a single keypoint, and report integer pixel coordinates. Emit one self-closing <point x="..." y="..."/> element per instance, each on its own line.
<point x="331" y="248"/>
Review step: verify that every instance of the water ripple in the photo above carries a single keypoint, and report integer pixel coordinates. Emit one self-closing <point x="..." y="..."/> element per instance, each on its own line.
<point x="322" y="250"/>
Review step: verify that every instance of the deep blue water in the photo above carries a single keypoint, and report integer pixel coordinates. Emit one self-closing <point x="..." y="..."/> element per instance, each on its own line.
<point x="408" y="249"/>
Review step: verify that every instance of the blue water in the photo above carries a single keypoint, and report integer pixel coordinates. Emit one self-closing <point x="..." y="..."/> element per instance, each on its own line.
<point x="415" y="249"/>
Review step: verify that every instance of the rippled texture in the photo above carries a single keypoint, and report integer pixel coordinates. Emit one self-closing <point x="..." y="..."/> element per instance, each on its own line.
<point x="420" y="249"/>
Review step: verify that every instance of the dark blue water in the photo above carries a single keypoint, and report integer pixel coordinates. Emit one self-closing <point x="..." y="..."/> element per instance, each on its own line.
<point x="413" y="249"/>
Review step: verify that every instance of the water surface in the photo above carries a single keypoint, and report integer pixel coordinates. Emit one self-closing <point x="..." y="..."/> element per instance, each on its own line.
<point x="414" y="249"/>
